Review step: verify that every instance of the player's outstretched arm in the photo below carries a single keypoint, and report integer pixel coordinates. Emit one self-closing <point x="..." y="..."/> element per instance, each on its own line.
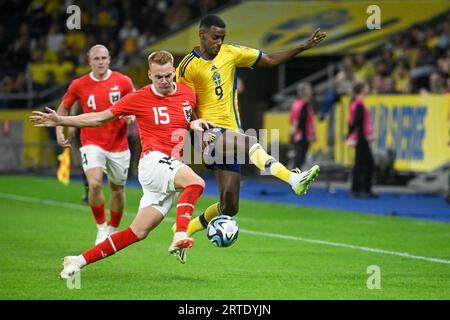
<point x="51" y="119"/>
<point x="275" y="58"/>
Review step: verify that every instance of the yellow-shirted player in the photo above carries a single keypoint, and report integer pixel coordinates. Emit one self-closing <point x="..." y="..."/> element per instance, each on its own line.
<point x="215" y="81"/>
<point x="210" y="70"/>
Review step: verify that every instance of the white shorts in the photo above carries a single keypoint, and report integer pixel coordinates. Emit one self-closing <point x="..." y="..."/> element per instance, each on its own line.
<point x="157" y="176"/>
<point x="115" y="164"/>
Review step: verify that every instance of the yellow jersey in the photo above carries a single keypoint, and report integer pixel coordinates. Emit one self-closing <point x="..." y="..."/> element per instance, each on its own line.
<point x="214" y="82"/>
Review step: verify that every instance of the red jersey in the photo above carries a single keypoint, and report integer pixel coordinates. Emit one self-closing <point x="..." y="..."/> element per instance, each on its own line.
<point x="162" y="120"/>
<point x="98" y="95"/>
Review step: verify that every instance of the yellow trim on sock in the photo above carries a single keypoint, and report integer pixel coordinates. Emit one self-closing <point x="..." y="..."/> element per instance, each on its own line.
<point x="210" y="212"/>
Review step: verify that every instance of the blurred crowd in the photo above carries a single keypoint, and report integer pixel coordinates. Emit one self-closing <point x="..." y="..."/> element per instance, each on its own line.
<point x="35" y="31"/>
<point x="411" y="62"/>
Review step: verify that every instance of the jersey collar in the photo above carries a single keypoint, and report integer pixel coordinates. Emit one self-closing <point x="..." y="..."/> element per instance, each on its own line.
<point x="159" y="94"/>
<point x="108" y="74"/>
<point x="198" y="55"/>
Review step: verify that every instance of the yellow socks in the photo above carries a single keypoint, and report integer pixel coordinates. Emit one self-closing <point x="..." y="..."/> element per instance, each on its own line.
<point x="264" y="161"/>
<point x="201" y="222"/>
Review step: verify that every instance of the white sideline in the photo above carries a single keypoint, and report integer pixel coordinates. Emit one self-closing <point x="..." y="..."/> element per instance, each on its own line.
<point x="245" y="231"/>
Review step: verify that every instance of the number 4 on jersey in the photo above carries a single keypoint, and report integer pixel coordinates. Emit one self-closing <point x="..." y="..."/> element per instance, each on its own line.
<point x="91" y="102"/>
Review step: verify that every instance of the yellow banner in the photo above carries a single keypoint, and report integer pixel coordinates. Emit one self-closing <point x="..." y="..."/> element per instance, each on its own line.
<point x="31" y="139"/>
<point x="280" y="121"/>
<point x="416" y="128"/>
<point x="277" y="25"/>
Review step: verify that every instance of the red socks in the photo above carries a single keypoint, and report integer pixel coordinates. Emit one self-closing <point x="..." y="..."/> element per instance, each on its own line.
<point x="124" y="238"/>
<point x="99" y="213"/>
<point x="100" y="216"/>
<point x="186" y="204"/>
<point x="111" y="245"/>
<point x="114" y="219"/>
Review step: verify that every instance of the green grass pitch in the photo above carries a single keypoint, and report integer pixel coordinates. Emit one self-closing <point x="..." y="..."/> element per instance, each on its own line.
<point x="283" y="252"/>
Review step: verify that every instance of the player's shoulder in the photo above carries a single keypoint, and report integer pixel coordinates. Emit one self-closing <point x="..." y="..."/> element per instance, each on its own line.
<point x="83" y="80"/>
<point x="236" y="48"/>
<point x="190" y="56"/>
<point x="182" y="88"/>
<point x="187" y="62"/>
<point x="142" y="91"/>
<point x="228" y="47"/>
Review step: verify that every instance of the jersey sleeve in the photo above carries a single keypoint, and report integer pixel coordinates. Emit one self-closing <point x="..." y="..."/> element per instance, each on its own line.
<point x="245" y="57"/>
<point x="185" y="73"/>
<point x="71" y="95"/>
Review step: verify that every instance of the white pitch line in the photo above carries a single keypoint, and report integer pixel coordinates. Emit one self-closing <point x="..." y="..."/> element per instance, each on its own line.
<point x="344" y="245"/>
<point x="245" y="231"/>
<point x="43" y="201"/>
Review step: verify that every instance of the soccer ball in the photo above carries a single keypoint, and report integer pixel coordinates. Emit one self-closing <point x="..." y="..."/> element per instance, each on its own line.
<point x="222" y="231"/>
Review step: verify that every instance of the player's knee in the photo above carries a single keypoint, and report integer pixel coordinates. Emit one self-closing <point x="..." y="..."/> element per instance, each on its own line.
<point x="117" y="191"/>
<point x="199" y="181"/>
<point x="95" y="186"/>
<point x="252" y="141"/>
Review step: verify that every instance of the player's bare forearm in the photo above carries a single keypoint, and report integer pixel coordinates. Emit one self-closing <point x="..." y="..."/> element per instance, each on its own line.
<point x="51" y="119"/>
<point x="83" y="120"/>
<point x="275" y="58"/>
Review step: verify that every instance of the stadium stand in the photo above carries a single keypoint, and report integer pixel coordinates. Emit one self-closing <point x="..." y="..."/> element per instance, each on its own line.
<point x="39" y="53"/>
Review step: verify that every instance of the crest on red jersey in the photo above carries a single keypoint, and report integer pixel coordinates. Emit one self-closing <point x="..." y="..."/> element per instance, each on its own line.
<point x="114" y="97"/>
<point x="187" y="113"/>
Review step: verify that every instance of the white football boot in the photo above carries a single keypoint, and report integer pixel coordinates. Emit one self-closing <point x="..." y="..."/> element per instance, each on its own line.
<point x="72" y="265"/>
<point x="300" y="181"/>
<point x="180" y="241"/>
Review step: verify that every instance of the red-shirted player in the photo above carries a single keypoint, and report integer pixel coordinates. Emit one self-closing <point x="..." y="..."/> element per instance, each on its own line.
<point x="103" y="149"/>
<point x="163" y="110"/>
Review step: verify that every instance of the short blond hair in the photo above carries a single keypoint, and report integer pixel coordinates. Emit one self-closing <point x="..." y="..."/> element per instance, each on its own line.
<point x="160" y="57"/>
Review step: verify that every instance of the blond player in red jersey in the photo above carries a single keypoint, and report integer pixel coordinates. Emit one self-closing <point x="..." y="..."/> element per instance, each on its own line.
<point x="163" y="112"/>
<point x="103" y="149"/>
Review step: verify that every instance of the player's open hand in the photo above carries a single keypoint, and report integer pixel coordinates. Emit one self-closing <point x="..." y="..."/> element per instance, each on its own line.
<point x="45" y="119"/>
<point x="200" y="125"/>
<point x="316" y="38"/>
